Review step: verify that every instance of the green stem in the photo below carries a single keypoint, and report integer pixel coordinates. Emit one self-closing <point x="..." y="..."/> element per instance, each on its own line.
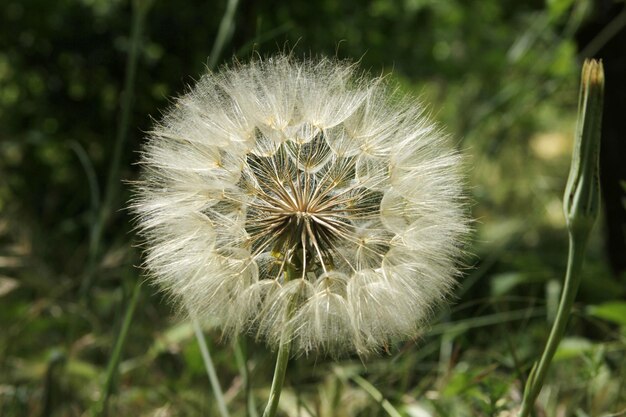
<point x="210" y="369"/>
<point x="376" y="395"/>
<point x="605" y="35"/>
<point x="279" y="376"/>
<point x="112" y="367"/>
<point x="242" y="364"/>
<point x="282" y="358"/>
<point x="57" y="359"/>
<point x="140" y="9"/>
<point x="572" y="281"/>
<point x="224" y="33"/>
<point x="113" y="180"/>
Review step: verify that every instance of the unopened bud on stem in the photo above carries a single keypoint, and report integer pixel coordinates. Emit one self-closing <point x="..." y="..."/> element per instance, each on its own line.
<point x="580" y="203"/>
<point x="582" y="193"/>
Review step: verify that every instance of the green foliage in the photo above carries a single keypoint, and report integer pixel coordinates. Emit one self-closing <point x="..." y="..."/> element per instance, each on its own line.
<point x="613" y="311"/>
<point x="500" y="75"/>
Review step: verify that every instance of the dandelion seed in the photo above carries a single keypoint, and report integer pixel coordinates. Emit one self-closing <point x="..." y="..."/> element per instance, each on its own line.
<point x="302" y="195"/>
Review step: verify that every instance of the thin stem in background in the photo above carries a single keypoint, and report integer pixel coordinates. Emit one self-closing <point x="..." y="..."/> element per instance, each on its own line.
<point x="224" y="33"/>
<point x="370" y="389"/>
<point x="242" y="364"/>
<point x="210" y="369"/>
<point x="376" y="395"/>
<point x="92" y="179"/>
<point x="605" y="35"/>
<point x="56" y="361"/>
<point x="101" y="406"/>
<point x="139" y="11"/>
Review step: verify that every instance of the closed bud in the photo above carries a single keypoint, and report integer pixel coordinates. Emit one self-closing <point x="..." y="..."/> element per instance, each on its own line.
<point x="582" y="193"/>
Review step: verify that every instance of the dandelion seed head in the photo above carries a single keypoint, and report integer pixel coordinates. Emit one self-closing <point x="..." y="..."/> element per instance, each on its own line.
<point x="302" y="195"/>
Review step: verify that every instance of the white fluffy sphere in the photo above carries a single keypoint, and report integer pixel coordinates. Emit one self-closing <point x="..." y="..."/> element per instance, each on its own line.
<point x="301" y="198"/>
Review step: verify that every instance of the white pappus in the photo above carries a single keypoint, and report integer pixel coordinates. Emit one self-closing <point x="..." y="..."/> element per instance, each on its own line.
<point x="302" y="198"/>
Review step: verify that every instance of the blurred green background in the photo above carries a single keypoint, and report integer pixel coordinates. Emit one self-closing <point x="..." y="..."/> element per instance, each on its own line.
<point x="502" y="76"/>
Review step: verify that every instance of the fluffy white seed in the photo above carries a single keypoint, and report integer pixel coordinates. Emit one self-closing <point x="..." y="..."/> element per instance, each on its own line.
<point x="301" y="198"/>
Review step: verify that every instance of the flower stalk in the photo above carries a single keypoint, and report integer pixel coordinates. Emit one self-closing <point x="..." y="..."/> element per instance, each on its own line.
<point x="101" y="406"/>
<point x="210" y="368"/>
<point x="280" y="370"/>
<point x="581" y="205"/>
<point x="282" y="359"/>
